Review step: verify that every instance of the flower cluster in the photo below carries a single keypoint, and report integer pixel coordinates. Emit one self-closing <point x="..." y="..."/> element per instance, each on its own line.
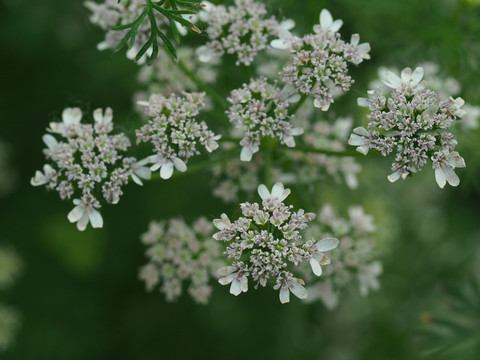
<point x="260" y="110"/>
<point x="355" y="259"/>
<point x="10" y="266"/>
<point x="241" y="29"/>
<point x="266" y="242"/>
<point x="319" y="61"/>
<point x="174" y="132"/>
<point x="165" y="77"/>
<point x="412" y="123"/>
<point x="87" y="161"/>
<point x="176" y="253"/>
<point x="444" y="86"/>
<point x="312" y="166"/>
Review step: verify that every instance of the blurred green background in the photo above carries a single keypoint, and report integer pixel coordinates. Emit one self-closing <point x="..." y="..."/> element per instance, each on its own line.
<point x="79" y="296"/>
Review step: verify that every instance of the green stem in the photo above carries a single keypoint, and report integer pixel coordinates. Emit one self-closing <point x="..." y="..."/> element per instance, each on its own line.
<point x="311" y="149"/>
<point x="268" y="154"/>
<point x="202" y="165"/>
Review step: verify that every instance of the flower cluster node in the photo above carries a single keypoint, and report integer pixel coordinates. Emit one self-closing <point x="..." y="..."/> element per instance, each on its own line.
<point x="319" y="61"/>
<point x="266" y="242"/>
<point x="87" y="161"/>
<point x="355" y="262"/>
<point x="179" y="253"/>
<point x="174" y="132"/>
<point x="411" y="123"/>
<point x="241" y="29"/>
<point x="260" y="110"/>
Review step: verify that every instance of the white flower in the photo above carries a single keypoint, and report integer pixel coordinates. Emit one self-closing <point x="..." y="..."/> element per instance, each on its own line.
<point x="205" y="54"/>
<point x="294" y="286"/>
<point x="239" y="281"/>
<point x="204" y="14"/>
<point x="367" y="277"/>
<point x="360" y="221"/>
<point x="278" y="192"/>
<point x="166" y="166"/>
<point x="400" y="173"/>
<point x="407" y="79"/>
<point x="45" y="177"/>
<point x="103" y="118"/>
<point x="327" y="23"/>
<point x="50" y="141"/>
<point x="212" y="143"/>
<point x="363" y="49"/>
<point x="221" y="224"/>
<point x="83" y="213"/>
<point x="457" y="104"/>
<point x="361" y="139"/>
<point x="319" y="258"/>
<point x="321" y="104"/>
<point x="288" y="138"/>
<point x="284" y="41"/>
<point x="471" y="116"/>
<point x="70" y="117"/>
<point x="150" y="275"/>
<point x="444" y="164"/>
<point x="139" y="170"/>
<point x="247" y="152"/>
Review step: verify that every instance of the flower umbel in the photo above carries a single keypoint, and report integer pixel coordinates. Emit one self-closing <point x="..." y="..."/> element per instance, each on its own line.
<point x="178" y="253"/>
<point x="266" y="245"/>
<point x="87" y="161"/>
<point x="174" y="132"/>
<point x="411" y="123"/>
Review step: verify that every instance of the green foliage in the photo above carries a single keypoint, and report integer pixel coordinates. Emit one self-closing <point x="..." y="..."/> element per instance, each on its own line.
<point x="454" y="334"/>
<point x="171" y="11"/>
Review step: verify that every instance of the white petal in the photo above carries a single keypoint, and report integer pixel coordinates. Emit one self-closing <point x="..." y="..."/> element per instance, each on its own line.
<point x="440" y="177"/>
<point x="277" y="190"/>
<point x="224" y="271"/>
<point x="98" y="116"/>
<point x="406" y="75"/>
<point x="76" y="214"/>
<point x="453" y="158"/>
<point x="227" y="279"/>
<point x="327" y="244"/>
<point x="298" y="290"/>
<point x="179" y="164"/>
<point x="284" y="295"/>
<point x="281" y="44"/>
<point x="95" y="219"/>
<point x="417" y="75"/>
<point x="136" y="180"/>
<point x="450" y="176"/>
<point x="356" y="140"/>
<point x="363" y="102"/>
<point x="82" y="223"/>
<point x="355" y="39"/>
<point x="166" y="171"/>
<point x="246" y="154"/>
<point x="263" y="192"/>
<point x="72" y="115"/>
<point x="316" y="268"/>
<point x="394" y="177"/>
<point x="244" y="284"/>
<point x="392" y="80"/>
<point x="326" y="19"/>
<point x="235" y="288"/>
<point x="50" y="141"/>
<point x="336" y="25"/>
